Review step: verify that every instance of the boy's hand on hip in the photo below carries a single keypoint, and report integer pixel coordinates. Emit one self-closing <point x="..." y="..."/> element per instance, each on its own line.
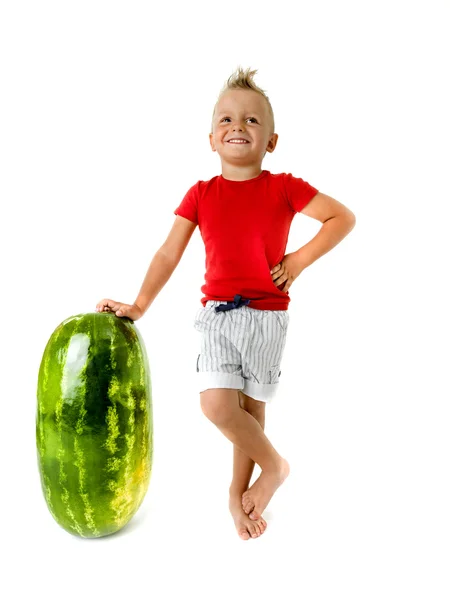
<point x="132" y="311"/>
<point x="287" y="271"/>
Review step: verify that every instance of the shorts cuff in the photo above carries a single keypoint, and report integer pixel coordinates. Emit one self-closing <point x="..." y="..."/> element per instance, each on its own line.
<point x="215" y="379"/>
<point x="264" y="392"/>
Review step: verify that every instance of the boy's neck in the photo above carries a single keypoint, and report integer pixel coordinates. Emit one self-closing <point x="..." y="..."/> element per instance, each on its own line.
<point x="235" y="173"/>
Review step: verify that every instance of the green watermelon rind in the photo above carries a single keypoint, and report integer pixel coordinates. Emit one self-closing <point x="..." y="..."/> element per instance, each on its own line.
<point x="94" y="426"/>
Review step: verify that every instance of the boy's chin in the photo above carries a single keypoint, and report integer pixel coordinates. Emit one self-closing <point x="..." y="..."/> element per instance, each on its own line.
<point x="239" y="158"/>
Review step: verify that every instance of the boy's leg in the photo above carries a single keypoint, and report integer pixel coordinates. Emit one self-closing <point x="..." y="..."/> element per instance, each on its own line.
<point x="243" y="465"/>
<point x="221" y="406"/>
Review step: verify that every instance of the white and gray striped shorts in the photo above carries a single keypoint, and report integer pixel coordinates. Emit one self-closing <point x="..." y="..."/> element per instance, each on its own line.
<point x="241" y="348"/>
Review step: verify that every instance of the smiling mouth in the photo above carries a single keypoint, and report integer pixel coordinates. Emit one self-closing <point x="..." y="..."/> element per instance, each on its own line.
<point x="237" y="142"/>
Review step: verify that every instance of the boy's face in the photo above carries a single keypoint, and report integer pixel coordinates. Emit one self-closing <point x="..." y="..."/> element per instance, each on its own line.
<point x="242" y="114"/>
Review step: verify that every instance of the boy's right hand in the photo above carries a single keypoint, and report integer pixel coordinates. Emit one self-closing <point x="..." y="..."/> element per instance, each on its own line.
<point x="131" y="311"/>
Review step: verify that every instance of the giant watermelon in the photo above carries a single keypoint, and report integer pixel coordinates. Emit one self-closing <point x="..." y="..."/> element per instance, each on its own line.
<point x="94" y="427"/>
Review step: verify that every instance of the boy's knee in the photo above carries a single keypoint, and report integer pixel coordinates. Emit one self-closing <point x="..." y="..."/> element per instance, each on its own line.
<point x="218" y="404"/>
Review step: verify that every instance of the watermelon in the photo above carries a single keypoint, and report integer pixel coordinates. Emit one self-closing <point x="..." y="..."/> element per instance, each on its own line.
<point x="94" y="426"/>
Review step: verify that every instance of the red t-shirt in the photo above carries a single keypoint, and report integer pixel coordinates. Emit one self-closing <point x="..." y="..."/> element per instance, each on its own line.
<point x="245" y="226"/>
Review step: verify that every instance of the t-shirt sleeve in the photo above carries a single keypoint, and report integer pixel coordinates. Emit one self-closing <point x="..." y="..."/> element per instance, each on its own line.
<point x="189" y="205"/>
<point x="298" y="192"/>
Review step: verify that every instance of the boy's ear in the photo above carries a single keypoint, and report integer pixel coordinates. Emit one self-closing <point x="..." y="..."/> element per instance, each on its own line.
<point x="272" y="142"/>
<point x="211" y="141"/>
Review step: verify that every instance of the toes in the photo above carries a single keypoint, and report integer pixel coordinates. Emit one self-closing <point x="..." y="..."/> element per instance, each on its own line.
<point x="243" y="534"/>
<point x="262" y="525"/>
<point x="257" y="530"/>
<point x="247" y="501"/>
<point x="254" y="516"/>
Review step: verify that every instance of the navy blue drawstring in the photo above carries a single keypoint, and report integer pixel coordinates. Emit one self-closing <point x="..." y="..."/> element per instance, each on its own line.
<point x="236" y="303"/>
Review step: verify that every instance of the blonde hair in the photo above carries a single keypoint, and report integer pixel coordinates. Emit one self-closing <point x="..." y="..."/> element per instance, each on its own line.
<point x="243" y="80"/>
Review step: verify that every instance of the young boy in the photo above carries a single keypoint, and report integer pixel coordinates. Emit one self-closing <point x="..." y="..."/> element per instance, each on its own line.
<point x="244" y="216"/>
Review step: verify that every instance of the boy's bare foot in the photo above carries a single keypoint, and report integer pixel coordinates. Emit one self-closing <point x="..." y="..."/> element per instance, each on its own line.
<point x="257" y="497"/>
<point x="244" y="526"/>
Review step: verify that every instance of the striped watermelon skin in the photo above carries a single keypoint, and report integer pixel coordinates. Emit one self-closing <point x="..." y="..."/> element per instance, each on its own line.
<point x="94" y="423"/>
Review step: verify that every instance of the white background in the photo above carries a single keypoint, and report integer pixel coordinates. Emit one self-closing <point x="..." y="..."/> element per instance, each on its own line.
<point x="105" y="115"/>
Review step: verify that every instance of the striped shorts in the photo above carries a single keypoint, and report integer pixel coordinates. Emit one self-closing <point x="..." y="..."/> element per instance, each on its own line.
<point x="240" y="347"/>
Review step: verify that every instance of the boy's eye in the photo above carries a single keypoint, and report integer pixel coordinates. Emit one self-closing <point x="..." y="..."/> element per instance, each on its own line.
<point x="253" y="118"/>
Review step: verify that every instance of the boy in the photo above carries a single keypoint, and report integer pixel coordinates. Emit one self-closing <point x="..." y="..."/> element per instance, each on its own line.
<point x="244" y="216"/>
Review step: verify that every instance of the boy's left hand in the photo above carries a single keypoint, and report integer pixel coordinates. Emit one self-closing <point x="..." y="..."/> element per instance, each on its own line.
<point x="287" y="270"/>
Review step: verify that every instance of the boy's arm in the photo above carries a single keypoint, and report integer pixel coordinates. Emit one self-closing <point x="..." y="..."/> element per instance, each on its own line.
<point x="165" y="262"/>
<point x="337" y="221"/>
